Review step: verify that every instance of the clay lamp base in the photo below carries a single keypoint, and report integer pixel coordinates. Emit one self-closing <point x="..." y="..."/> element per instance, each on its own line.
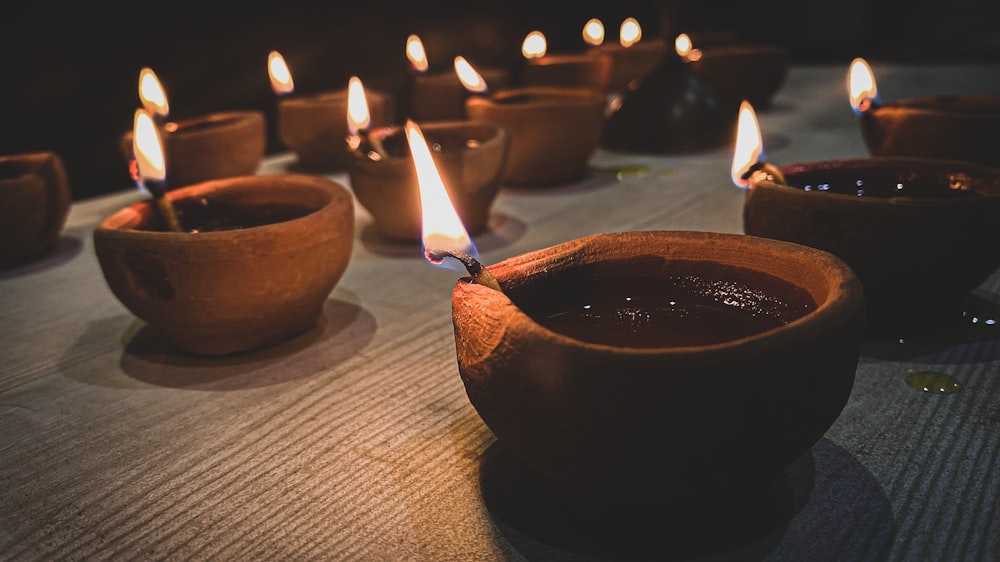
<point x="267" y="252"/>
<point x="37" y="198"/>
<point x="470" y="157"/>
<point x="743" y="72"/>
<point x="441" y="96"/>
<point x="943" y="127"/>
<point x="217" y="145"/>
<point x="919" y="233"/>
<point x="630" y="64"/>
<point x="660" y="366"/>
<point x="671" y="111"/>
<point x="553" y="131"/>
<point x="569" y="71"/>
<point x="315" y="127"/>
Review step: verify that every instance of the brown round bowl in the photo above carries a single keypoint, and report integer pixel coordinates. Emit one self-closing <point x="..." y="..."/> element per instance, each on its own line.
<point x="744" y="72"/>
<point x="633" y="63"/>
<point x="470" y="157"/>
<point x="943" y="127"/>
<point x="921" y="234"/>
<point x="211" y="146"/>
<point x="314" y="127"/>
<point x="553" y="131"/>
<point x="36" y="201"/>
<point x="569" y="71"/>
<point x="653" y="398"/>
<point x="267" y="252"/>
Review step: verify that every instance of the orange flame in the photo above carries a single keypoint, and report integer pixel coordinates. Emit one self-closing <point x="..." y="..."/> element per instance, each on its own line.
<point x="416" y="54"/>
<point x="749" y="148"/>
<point x="534" y="45"/>
<point x="685" y="48"/>
<point x="630" y="32"/>
<point x="593" y="32"/>
<point x="471" y="79"/>
<point x="358" y="116"/>
<point x="151" y="93"/>
<point x="861" y="86"/>
<point x="147" y="148"/>
<point x="277" y="71"/>
<point x="441" y="228"/>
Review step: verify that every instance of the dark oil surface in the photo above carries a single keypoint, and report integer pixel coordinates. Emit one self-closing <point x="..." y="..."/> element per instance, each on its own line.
<point x="205" y="216"/>
<point x="884" y="184"/>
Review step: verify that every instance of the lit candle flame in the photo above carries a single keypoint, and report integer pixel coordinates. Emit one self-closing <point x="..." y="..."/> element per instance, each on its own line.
<point x="534" y="45"/>
<point x="281" y="77"/>
<point x="358" y="116"/>
<point x="749" y="149"/>
<point x="861" y="86"/>
<point x="471" y="79"/>
<point x="148" y="151"/>
<point x="151" y="93"/>
<point x="685" y="48"/>
<point x="440" y="226"/>
<point x="630" y="33"/>
<point x="416" y="54"/>
<point x="593" y="32"/>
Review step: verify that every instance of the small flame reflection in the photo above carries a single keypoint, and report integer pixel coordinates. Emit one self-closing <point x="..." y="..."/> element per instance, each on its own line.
<point x="630" y="32"/>
<point x="441" y="227"/>
<point x="593" y="32"/>
<point x="469" y="77"/>
<point x="416" y="54"/>
<point x="534" y="45"/>
<point x="358" y="116"/>
<point x="280" y="76"/>
<point x="749" y="148"/>
<point x="861" y="86"/>
<point x="151" y="93"/>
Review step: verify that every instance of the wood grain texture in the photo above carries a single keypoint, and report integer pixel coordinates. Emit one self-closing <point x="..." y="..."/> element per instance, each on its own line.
<point x="356" y="441"/>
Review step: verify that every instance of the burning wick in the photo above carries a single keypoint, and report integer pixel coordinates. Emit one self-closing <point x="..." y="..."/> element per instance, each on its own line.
<point x="763" y="170"/>
<point x="480" y="275"/>
<point x="150" y="170"/>
<point x="861" y="87"/>
<point x="359" y="120"/>
<point x="749" y="165"/>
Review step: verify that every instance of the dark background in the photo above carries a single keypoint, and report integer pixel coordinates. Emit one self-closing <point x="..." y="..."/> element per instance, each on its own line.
<point x="70" y="72"/>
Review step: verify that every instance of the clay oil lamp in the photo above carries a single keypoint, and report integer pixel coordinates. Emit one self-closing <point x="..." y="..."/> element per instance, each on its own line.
<point x="210" y="146"/>
<point x="948" y="127"/>
<point x="470" y="155"/>
<point x="248" y="261"/>
<point x="440" y="96"/>
<point x="37" y="198"/>
<point x="920" y="233"/>
<point x="571" y="70"/>
<point x="738" y="71"/>
<point x="553" y="131"/>
<point x="656" y="366"/>
<point x="631" y="59"/>
<point x="314" y="126"/>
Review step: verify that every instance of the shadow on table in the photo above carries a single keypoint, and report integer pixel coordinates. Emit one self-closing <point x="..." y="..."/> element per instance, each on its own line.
<point x="502" y="230"/>
<point x="67" y="248"/>
<point x="342" y="332"/>
<point x="826" y="506"/>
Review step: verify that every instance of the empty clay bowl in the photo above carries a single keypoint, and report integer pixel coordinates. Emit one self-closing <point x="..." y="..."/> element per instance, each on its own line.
<point x="744" y="72"/>
<point x="314" y="127"/>
<point x="267" y="252"/>
<point x="553" y="131"/>
<point x="919" y="233"/>
<point x="470" y="157"/>
<point x="956" y="127"/>
<point x="660" y="366"/>
<point x="441" y="96"/>
<point x="569" y="71"/>
<point x="211" y="146"/>
<point x="36" y="200"/>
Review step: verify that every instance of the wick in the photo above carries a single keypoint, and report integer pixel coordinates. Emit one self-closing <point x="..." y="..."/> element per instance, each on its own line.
<point x="166" y="207"/>
<point x="868" y="104"/>
<point x="478" y="271"/>
<point x="363" y="137"/>
<point x="766" y="170"/>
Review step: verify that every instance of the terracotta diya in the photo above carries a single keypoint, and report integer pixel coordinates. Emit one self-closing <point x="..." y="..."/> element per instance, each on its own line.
<point x="947" y="127"/>
<point x="565" y="70"/>
<point x="440" y="96"/>
<point x="919" y="233"/>
<point x="258" y="258"/>
<point x="661" y="366"/>
<point x="752" y="72"/>
<point x="632" y="58"/>
<point x="470" y="156"/>
<point x="37" y="199"/>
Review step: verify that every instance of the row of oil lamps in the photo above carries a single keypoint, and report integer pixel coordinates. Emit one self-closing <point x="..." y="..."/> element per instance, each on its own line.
<point x="622" y="367"/>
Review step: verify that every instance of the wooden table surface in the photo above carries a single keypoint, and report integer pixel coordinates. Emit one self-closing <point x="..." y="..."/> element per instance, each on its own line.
<point x="356" y="441"/>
